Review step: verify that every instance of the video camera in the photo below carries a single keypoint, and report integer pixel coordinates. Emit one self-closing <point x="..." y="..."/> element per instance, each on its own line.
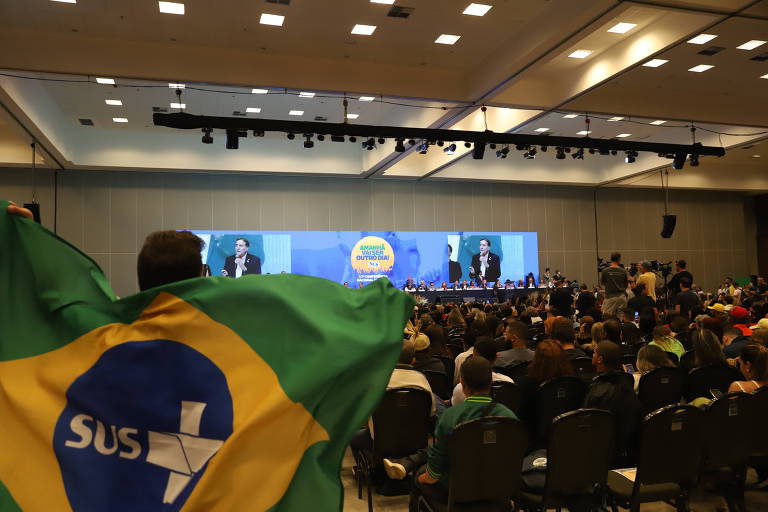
<point x="656" y="266"/>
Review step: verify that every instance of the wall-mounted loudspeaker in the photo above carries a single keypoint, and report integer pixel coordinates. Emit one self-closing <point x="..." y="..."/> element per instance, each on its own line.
<point x="35" y="209"/>
<point x="668" y="226"/>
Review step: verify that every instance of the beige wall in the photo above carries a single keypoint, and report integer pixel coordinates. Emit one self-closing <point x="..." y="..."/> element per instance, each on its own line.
<point x="108" y="214"/>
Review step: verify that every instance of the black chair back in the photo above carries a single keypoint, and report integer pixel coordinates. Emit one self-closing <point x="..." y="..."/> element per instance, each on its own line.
<point x="450" y="365"/>
<point x="727" y="424"/>
<point x="660" y="387"/>
<point x="486" y="457"/>
<point x="616" y="377"/>
<point x="673" y="357"/>
<point x="440" y="383"/>
<point x="518" y="371"/>
<point x="584" y="368"/>
<point x="687" y="361"/>
<point x="713" y="376"/>
<point x="556" y="397"/>
<point x="670" y="446"/>
<point x="581" y="447"/>
<point x="759" y="438"/>
<point x="401" y="422"/>
<point x="508" y="394"/>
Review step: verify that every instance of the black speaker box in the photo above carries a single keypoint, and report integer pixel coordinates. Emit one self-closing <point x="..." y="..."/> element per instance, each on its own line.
<point x="668" y="227"/>
<point x="35" y="209"/>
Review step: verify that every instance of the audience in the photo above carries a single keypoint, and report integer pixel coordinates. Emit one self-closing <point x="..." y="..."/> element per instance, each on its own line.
<point x="707" y="349"/>
<point x="562" y="331"/>
<point x="484" y="347"/>
<point x="753" y="363"/>
<point x="649" y="358"/>
<point x="423" y="359"/>
<point x="734" y="341"/>
<point x="516" y="335"/>
<point x="662" y="338"/>
<point x="549" y="362"/>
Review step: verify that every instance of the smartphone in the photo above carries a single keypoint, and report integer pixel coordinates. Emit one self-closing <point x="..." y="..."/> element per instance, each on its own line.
<point x="629" y="368"/>
<point x="716" y="393"/>
<point x="637" y="316"/>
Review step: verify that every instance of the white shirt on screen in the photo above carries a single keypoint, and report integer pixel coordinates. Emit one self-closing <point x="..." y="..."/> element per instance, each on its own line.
<point x="238" y="271"/>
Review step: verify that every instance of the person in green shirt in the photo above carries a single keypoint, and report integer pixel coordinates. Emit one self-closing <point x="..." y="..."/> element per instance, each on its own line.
<point x="662" y="338"/>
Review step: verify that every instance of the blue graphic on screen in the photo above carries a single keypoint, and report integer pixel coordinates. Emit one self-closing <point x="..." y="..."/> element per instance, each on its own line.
<point x="360" y="257"/>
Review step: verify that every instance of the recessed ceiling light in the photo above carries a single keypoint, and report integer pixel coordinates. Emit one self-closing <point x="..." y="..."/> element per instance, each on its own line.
<point x="701" y="68"/>
<point x="296" y="113"/>
<point x="584" y="132"/>
<point x="580" y="54"/>
<point x="253" y="110"/>
<point x="363" y="30"/>
<point x="477" y="9"/>
<point x="616" y="118"/>
<point x="622" y="135"/>
<point x="271" y="19"/>
<point x="171" y="7"/>
<point x="306" y="94"/>
<point x="119" y="120"/>
<point x="541" y="130"/>
<point x="259" y="91"/>
<point x="751" y="45"/>
<point x="755" y="156"/>
<point x="658" y="122"/>
<point x="178" y="105"/>
<point x="117" y="103"/>
<point x="353" y="116"/>
<point x="387" y="2"/>
<point x="570" y="116"/>
<point x="622" y="28"/>
<point x="654" y="63"/>
<point x="764" y="76"/>
<point x="367" y="98"/>
<point x="105" y="81"/>
<point x="447" y="39"/>
<point x="66" y="1"/>
<point x="176" y="86"/>
<point x="702" y="38"/>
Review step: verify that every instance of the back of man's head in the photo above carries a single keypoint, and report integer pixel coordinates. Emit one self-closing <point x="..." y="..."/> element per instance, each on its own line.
<point x="612" y="330"/>
<point x="616" y="257"/>
<point x="169" y="256"/>
<point x="685" y="283"/>
<point x="519" y="330"/>
<point x="610" y="354"/>
<point x="681" y="264"/>
<point x="732" y="332"/>
<point x="485" y="347"/>
<point x="407" y="353"/>
<point x="476" y="374"/>
<point x="562" y="331"/>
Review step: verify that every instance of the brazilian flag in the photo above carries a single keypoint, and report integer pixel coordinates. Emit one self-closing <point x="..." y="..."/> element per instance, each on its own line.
<point x="210" y="394"/>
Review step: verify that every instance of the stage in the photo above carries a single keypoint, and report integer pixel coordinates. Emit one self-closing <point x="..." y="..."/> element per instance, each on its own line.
<point x="474" y="295"/>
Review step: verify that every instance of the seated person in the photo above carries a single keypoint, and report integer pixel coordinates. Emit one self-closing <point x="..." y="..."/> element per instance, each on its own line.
<point x="444" y="286"/>
<point x="680" y="330"/>
<point x="422" y="286"/>
<point x="662" y="338"/>
<point x="649" y="358"/>
<point x="516" y="342"/>
<point x="754" y="365"/>
<point x="486" y="348"/>
<point x="423" y="360"/>
<point x="733" y="342"/>
<point x="562" y="331"/>
<point x="432" y="286"/>
<point x="549" y="362"/>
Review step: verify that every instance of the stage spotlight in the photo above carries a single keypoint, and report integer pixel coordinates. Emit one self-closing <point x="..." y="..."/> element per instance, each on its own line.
<point x="630" y="158"/>
<point x="504" y="152"/>
<point x="411" y="142"/>
<point x="498" y="153"/>
<point x="369" y="144"/>
<point x="693" y="160"/>
<point x="321" y="137"/>
<point x="423" y="148"/>
<point x="337" y="138"/>
<point x="233" y="139"/>
<point x="467" y="145"/>
<point x="543" y="149"/>
<point x="353" y="139"/>
<point x="478" y="151"/>
<point x="519" y="147"/>
<point x="207" y="139"/>
<point x="492" y="146"/>
<point x="258" y="134"/>
<point x="591" y="151"/>
<point x="399" y="146"/>
<point x="614" y="152"/>
<point x="603" y="152"/>
<point x="308" y="142"/>
<point x="578" y="154"/>
<point x="679" y="161"/>
<point x="560" y="153"/>
<point x="440" y="143"/>
<point x="450" y="149"/>
<point x="381" y="140"/>
<point x="567" y="150"/>
<point x="532" y="152"/>
<point x="291" y="136"/>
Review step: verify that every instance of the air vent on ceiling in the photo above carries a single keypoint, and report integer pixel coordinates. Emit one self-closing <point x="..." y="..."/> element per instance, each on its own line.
<point x="750" y="146"/>
<point x="711" y="50"/>
<point x="398" y="11"/>
<point x="761" y="57"/>
<point x="238" y="113"/>
<point x="86" y="122"/>
<point x="321" y="118"/>
<point x="281" y="2"/>
<point x="159" y="109"/>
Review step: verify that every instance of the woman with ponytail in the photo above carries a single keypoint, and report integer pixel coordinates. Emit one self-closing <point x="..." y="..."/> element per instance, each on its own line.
<point x="754" y="366"/>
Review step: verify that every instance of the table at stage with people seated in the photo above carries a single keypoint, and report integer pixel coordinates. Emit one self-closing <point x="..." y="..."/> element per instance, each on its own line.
<point x="474" y="294"/>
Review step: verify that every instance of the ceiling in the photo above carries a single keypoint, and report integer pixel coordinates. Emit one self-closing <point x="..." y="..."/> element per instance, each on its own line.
<point x="514" y="59"/>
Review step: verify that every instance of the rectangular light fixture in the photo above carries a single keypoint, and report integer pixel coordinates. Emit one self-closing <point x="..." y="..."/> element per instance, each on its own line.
<point x="296" y="113"/>
<point x="447" y="39"/>
<point x="305" y="94"/>
<point x="178" y="105"/>
<point x="701" y="68"/>
<point x="622" y="28"/>
<point x="541" y="130"/>
<point x="105" y="81"/>
<point x="367" y="98"/>
<point x="66" y="1"/>
<point x="271" y="19"/>
<point x="751" y="45"/>
<point x="616" y="118"/>
<point x="116" y="103"/>
<point x="259" y="91"/>
<point x="253" y="110"/>
<point x="702" y="38"/>
<point x="764" y="76"/>
<point x="176" y="86"/>
<point x="580" y="54"/>
<point x="623" y="135"/>
<point x="658" y="122"/>
<point x="477" y="9"/>
<point x="386" y="2"/>
<point x="119" y="120"/>
<point x="363" y="30"/>
<point x="654" y="63"/>
<point x="171" y="7"/>
<point x="570" y="116"/>
<point x="584" y="132"/>
<point x="353" y="116"/>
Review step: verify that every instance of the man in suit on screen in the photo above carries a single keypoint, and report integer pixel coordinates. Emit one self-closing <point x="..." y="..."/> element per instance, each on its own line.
<point x="241" y="263"/>
<point x="485" y="264"/>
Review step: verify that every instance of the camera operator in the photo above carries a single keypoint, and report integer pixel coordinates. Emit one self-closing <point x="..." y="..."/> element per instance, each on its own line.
<point x="680" y="273"/>
<point x="648" y="278"/>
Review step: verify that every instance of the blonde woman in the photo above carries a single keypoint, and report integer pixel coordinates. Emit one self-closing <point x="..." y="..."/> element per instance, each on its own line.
<point x="754" y="365"/>
<point x="649" y="358"/>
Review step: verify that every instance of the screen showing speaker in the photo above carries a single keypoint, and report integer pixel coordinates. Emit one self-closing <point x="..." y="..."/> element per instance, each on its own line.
<point x="360" y="257"/>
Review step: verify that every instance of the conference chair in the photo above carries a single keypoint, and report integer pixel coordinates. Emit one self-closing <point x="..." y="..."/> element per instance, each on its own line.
<point x="486" y="458"/>
<point x="401" y="427"/>
<point x="579" y="453"/>
<point x="714" y="376"/>
<point x="759" y="436"/>
<point x="556" y="397"/>
<point x="687" y="361"/>
<point x="616" y="377"/>
<point x="508" y="394"/>
<point x="668" y="461"/>
<point x="440" y="383"/>
<point x="660" y="387"/>
<point x="450" y="365"/>
<point x="518" y="370"/>
<point x="584" y="368"/>
<point x="673" y="357"/>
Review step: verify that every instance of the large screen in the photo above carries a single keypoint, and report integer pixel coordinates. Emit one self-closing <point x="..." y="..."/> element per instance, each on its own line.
<point x="360" y="257"/>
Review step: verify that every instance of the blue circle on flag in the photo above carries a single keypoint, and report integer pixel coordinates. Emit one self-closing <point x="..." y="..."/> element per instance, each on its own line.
<point x="140" y="427"/>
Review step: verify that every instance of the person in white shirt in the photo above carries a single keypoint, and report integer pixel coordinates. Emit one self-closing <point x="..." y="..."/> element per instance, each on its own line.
<point x="485" y="347"/>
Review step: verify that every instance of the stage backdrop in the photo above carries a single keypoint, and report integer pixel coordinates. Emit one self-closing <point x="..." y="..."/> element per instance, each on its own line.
<point x="364" y="256"/>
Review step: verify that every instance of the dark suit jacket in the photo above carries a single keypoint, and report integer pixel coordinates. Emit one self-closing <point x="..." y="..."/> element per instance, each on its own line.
<point x="454" y="271"/>
<point x="252" y="265"/>
<point x="492" y="273"/>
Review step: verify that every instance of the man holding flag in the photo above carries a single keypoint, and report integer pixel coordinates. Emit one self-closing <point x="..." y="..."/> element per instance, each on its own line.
<point x="189" y="395"/>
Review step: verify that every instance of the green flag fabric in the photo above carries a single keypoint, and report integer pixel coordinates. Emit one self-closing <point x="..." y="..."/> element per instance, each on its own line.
<point x="206" y="394"/>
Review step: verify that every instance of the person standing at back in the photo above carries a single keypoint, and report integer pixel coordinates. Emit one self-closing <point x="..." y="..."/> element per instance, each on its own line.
<point x="686" y="302"/>
<point x="614" y="279"/>
<point x="647" y="278"/>
<point x="680" y="273"/>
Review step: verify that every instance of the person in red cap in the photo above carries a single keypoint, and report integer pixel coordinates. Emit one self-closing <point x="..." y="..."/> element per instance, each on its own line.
<point x="740" y="320"/>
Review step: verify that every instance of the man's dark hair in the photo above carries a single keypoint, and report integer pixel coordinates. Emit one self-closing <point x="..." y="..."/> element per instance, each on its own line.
<point x="615" y="256"/>
<point x="685" y="282"/>
<point x="610" y="353"/>
<point x="562" y="331"/>
<point x="476" y="373"/>
<point x="681" y="263"/>
<point x="487" y="241"/>
<point x="612" y="330"/>
<point x="407" y="353"/>
<point x="518" y="328"/>
<point x="169" y="256"/>
<point x="486" y="347"/>
<point x="638" y="290"/>
<point x="247" y="243"/>
<point x="733" y="331"/>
